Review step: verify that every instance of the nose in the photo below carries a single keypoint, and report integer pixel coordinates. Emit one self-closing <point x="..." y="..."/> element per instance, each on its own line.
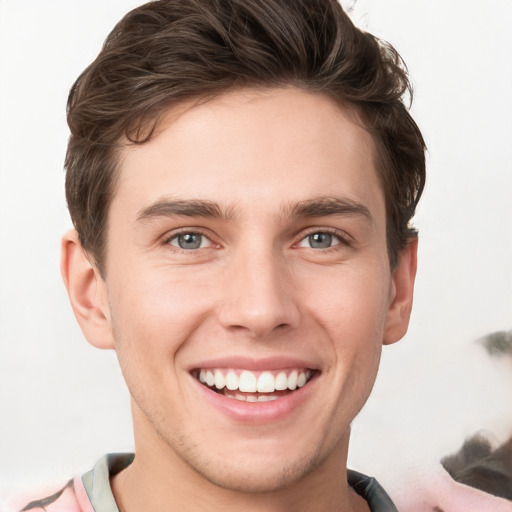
<point x="259" y="296"/>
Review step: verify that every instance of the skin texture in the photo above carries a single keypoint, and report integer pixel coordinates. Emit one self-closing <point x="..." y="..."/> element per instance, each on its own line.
<point x="255" y="290"/>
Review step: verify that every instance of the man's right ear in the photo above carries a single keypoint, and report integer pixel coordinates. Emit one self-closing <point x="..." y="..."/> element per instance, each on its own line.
<point x="87" y="292"/>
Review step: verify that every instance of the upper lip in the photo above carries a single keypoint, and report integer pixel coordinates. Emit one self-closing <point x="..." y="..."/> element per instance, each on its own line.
<point x="253" y="364"/>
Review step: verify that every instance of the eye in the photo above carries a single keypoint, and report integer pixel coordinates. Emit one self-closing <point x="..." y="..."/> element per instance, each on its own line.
<point x="189" y="241"/>
<point x="320" y="240"/>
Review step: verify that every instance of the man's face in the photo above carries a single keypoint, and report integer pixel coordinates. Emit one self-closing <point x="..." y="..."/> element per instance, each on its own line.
<point x="247" y="249"/>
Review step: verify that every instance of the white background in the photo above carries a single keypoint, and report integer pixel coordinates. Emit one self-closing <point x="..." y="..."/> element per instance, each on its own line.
<point x="63" y="403"/>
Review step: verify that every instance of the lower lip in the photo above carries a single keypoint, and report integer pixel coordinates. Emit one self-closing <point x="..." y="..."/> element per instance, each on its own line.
<point x="258" y="412"/>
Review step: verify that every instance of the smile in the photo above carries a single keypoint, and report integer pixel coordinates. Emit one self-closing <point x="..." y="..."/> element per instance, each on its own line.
<point x="249" y="386"/>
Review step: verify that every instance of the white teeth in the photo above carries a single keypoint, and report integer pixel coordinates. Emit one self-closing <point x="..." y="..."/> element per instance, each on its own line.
<point x="266" y="398"/>
<point x="220" y="382"/>
<point x="292" y="380"/>
<point x="265" y="383"/>
<point x="232" y="381"/>
<point x="281" y="381"/>
<point x="252" y="398"/>
<point x="210" y="379"/>
<point x="247" y="382"/>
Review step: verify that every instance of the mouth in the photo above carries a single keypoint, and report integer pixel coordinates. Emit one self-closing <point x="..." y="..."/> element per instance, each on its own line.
<point x="254" y="386"/>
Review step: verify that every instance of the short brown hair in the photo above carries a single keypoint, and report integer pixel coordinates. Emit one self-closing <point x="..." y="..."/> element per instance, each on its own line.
<point x="169" y="51"/>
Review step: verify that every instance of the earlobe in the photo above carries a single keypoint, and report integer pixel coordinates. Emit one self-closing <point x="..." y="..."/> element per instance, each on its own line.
<point x="403" y="277"/>
<point x="87" y="292"/>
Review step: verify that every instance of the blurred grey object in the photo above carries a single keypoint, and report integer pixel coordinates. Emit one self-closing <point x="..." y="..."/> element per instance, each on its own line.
<point x="498" y="343"/>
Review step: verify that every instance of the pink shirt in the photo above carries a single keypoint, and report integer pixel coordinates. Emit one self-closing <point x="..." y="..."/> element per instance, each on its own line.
<point x="89" y="493"/>
<point x="71" y="498"/>
<point x="432" y="489"/>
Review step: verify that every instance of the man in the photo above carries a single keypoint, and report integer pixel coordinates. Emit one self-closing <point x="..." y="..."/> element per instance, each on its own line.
<point x="241" y="175"/>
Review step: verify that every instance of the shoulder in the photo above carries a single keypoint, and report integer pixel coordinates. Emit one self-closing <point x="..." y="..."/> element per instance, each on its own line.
<point x="86" y="493"/>
<point x="65" y="498"/>
<point x="368" y="488"/>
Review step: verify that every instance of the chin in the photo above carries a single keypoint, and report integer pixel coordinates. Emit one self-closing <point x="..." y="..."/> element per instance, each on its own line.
<point x="258" y="477"/>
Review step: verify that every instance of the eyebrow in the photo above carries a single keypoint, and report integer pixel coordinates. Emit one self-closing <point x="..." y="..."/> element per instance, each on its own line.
<point x="184" y="208"/>
<point x="310" y="208"/>
<point x="325" y="206"/>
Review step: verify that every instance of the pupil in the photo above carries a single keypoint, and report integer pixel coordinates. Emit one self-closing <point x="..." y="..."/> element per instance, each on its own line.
<point x="320" y="240"/>
<point x="189" y="241"/>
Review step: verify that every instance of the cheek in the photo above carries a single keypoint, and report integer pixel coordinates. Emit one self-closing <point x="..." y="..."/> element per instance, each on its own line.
<point x="159" y="298"/>
<point x="349" y="301"/>
<point x="151" y="315"/>
<point x="149" y="325"/>
<point x="352" y="311"/>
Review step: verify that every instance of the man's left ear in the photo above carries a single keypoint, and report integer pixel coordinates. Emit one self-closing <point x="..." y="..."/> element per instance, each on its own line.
<point x="402" y="284"/>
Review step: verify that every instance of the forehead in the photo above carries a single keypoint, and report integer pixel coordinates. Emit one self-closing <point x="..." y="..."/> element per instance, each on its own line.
<point x="252" y="147"/>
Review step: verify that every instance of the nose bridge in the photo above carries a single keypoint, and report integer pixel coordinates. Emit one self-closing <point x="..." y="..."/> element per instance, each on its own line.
<point x="259" y="294"/>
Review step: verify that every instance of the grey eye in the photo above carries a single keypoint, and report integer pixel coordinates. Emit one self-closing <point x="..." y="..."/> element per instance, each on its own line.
<point x="320" y="240"/>
<point x="189" y="241"/>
